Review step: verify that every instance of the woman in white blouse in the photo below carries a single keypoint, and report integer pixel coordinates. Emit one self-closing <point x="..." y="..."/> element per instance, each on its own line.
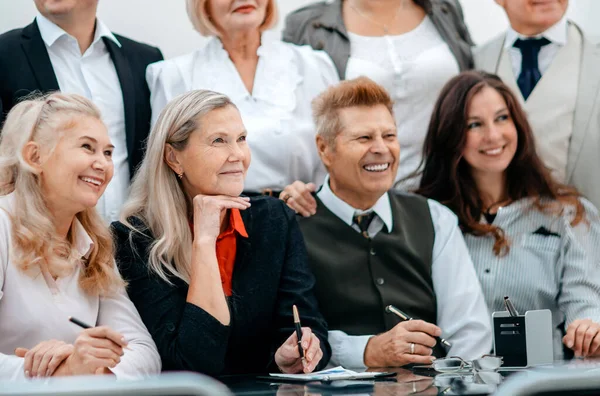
<point x="410" y="47"/>
<point x="56" y="254"/>
<point x="530" y="237"/>
<point x="272" y="84"/>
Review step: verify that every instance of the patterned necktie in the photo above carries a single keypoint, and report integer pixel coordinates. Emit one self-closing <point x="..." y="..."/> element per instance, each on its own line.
<point x="363" y="221"/>
<point x="530" y="71"/>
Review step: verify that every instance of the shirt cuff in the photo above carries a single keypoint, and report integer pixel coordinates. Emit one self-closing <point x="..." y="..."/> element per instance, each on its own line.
<point x="12" y="368"/>
<point x="348" y="351"/>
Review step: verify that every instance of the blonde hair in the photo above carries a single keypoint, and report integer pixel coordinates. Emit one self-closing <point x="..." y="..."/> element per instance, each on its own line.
<point x="43" y="120"/>
<point x="360" y="91"/>
<point x="157" y="197"/>
<point x="197" y="11"/>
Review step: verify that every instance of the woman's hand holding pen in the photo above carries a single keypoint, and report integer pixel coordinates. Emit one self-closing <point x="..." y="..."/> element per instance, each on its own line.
<point x="43" y="359"/>
<point x="408" y="342"/>
<point x="94" y="352"/>
<point x="583" y="337"/>
<point x="288" y="357"/>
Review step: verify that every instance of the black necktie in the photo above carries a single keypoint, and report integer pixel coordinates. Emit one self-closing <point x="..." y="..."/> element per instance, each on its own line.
<point x="530" y="70"/>
<point x="363" y="221"/>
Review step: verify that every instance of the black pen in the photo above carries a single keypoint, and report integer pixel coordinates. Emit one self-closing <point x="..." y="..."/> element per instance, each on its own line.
<point x="403" y="316"/>
<point x="510" y="307"/>
<point x="79" y="323"/>
<point x="298" y="330"/>
<point x="84" y="325"/>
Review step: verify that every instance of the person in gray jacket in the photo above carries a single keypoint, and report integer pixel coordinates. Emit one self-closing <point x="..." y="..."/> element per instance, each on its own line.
<point x="410" y="47"/>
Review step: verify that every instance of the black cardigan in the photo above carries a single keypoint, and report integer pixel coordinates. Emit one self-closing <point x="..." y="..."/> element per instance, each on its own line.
<point x="270" y="275"/>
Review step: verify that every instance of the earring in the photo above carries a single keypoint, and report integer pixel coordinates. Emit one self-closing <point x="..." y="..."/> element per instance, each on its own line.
<point x="180" y="175"/>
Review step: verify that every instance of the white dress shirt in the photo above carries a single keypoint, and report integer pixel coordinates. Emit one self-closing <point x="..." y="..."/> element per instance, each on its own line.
<point x="34" y="308"/>
<point x="277" y="113"/>
<point x="93" y="75"/>
<point x="559" y="272"/>
<point x="557" y="35"/>
<point x="413" y="67"/>
<point x="461" y="311"/>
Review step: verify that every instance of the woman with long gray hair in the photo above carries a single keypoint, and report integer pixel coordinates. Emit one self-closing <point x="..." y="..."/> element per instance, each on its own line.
<point x="215" y="275"/>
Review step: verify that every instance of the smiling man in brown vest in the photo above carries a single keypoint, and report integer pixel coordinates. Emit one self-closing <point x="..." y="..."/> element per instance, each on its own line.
<point x="369" y="246"/>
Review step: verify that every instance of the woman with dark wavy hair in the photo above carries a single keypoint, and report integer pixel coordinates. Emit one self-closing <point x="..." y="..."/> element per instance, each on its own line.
<point x="530" y="237"/>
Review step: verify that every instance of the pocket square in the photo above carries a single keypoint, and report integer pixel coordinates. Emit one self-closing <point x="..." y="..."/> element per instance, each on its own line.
<point x="545" y="232"/>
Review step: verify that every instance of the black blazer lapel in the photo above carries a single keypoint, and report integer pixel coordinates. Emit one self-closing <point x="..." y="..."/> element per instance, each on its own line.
<point x="126" y="80"/>
<point x="39" y="60"/>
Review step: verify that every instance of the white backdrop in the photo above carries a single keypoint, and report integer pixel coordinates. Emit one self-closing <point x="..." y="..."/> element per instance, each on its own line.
<point x="164" y="23"/>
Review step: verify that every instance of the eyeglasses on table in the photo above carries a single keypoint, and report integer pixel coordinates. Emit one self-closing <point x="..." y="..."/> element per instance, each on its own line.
<point x="455" y="364"/>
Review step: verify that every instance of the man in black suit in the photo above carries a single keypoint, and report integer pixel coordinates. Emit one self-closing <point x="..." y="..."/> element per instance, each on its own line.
<point x="67" y="48"/>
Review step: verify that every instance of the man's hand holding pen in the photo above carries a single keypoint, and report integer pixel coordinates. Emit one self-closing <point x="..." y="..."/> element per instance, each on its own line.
<point x="288" y="357"/>
<point x="408" y="342"/>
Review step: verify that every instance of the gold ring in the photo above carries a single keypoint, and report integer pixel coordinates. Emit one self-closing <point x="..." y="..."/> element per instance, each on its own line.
<point x="286" y="198"/>
<point x="412" y="348"/>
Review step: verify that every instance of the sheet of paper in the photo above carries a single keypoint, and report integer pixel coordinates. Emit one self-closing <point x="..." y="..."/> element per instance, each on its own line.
<point x="332" y="374"/>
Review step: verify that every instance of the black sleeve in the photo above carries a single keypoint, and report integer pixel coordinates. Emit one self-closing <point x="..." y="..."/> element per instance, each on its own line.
<point x="297" y="287"/>
<point x="187" y="337"/>
<point x="158" y="55"/>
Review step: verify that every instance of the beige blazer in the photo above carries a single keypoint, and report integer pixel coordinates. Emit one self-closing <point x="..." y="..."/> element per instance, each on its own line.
<point x="583" y="165"/>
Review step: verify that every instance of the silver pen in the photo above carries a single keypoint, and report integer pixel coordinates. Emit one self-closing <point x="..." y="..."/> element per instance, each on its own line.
<point x="510" y="307"/>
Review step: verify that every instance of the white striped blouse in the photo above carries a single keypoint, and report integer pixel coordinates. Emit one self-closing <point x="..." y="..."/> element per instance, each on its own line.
<point x="551" y="265"/>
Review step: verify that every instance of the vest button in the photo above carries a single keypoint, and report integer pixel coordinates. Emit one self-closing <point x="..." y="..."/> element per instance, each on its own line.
<point x="487" y="270"/>
<point x="372" y="251"/>
<point x="380" y="281"/>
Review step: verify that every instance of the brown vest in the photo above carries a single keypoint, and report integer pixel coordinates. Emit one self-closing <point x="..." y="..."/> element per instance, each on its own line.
<point x="357" y="277"/>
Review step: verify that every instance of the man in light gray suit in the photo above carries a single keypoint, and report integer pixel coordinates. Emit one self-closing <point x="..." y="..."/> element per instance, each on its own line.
<point x="555" y="71"/>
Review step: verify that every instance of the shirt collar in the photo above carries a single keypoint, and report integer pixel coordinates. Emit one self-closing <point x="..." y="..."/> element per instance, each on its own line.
<point x="82" y="242"/>
<point x="345" y="212"/>
<point x="236" y="224"/>
<point x="557" y="34"/>
<point x="51" y="32"/>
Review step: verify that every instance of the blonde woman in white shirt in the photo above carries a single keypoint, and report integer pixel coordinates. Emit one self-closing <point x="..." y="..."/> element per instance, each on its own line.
<point x="56" y="254"/>
<point x="272" y="84"/>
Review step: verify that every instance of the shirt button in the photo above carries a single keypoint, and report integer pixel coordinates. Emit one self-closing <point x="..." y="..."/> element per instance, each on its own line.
<point x="373" y="253"/>
<point x="380" y="281"/>
<point x="487" y="270"/>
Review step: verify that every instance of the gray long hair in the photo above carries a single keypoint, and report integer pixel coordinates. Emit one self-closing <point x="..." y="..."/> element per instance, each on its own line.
<point x="157" y="197"/>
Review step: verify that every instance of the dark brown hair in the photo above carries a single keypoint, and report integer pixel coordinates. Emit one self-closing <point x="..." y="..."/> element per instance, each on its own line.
<point x="446" y="176"/>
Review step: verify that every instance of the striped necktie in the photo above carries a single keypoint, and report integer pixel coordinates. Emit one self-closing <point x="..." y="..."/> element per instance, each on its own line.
<point x="362" y="221"/>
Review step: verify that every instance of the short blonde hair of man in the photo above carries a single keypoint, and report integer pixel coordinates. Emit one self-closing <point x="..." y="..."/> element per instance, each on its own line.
<point x="157" y="197"/>
<point x="358" y="92"/>
<point x="198" y="14"/>
<point x="35" y="243"/>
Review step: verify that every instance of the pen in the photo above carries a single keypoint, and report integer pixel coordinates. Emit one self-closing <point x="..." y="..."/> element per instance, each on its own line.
<point x="84" y="325"/>
<point x="403" y="316"/>
<point x="298" y="330"/>
<point x="79" y="323"/>
<point x="510" y="307"/>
